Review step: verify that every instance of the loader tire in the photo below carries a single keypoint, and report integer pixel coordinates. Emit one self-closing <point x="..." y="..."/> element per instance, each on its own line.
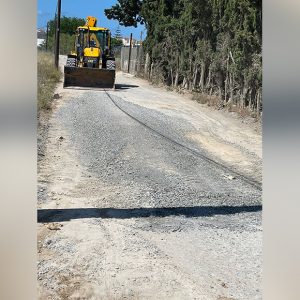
<point x="110" y="65"/>
<point x="71" y="62"/>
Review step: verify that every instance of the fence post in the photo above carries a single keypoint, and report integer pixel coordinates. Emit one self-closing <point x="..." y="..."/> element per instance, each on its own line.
<point x="47" y="37"/>
<point x="129" y="53"/>
<point x="146" y="70"/>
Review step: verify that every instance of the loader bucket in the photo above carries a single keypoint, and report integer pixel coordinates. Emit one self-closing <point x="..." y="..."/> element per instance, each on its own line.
<point x="89" y="77"/>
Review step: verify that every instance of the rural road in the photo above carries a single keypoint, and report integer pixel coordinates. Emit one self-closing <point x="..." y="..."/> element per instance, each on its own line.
<point x="146" y="194"/>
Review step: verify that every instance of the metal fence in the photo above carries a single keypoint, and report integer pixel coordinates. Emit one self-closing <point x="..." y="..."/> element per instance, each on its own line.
<point x="136" y="60"/>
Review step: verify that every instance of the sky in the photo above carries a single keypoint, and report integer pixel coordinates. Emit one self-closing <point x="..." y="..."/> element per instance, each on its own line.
<point x="81" y="9"/>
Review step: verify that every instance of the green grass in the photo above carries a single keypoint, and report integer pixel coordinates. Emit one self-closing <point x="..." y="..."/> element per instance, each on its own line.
<point x="48" y="77"/>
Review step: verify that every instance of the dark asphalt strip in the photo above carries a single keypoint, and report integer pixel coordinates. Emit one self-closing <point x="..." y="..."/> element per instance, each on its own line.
<point x="67" y="214"/>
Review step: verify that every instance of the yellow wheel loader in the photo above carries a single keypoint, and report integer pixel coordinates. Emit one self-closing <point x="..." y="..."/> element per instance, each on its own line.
<point x="92" y="64"/>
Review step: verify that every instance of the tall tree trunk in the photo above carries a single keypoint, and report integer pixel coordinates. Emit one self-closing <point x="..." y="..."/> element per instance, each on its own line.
<point x="202" y="76"/>
<point x="258" y="101"/>
<point x="245" y="92"/>
<point x="176" y="79"/>
<point x="190" y="76"/>
<point x="184" y="82"/>
<point x="250" y="99"/>
<point x="220" y="92"/>
<point x="195" y="77"/>
<point x="225" y="89"/>
<point x="146" y="70"/>
<point x="231" y="87"/>
<point x="208" y="80"/>
<point x="151" y="70"/>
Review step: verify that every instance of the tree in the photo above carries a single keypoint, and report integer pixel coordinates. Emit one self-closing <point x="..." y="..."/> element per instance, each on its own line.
<point x="214" y="46"/>
<point x="67" y="33"/>
<point x="127" y="12"/>
<point x="116" y="40"/>
<point x="118" y="34"/>
<point x="68" y="25"/>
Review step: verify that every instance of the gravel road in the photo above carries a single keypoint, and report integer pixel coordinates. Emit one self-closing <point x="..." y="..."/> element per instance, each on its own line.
<point x="140" y="197"/>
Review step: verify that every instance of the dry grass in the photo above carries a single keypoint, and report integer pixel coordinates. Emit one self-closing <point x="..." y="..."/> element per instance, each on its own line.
<point x="48" y="77"/>
<point x="217" y="103"/>
<point x="242" y="111"/>
<point x="202" y="98"/>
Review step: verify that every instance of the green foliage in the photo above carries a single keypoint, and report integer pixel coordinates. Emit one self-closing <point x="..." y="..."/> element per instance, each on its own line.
<point x="66" y="44"/>
<point x="67" y="25"/>
<point x="116" y="42"/>
<point x="67" y="34"/>
<point x="118" y="34"/>
<point x="211" y="45"/>
<point x="127" y="12"/>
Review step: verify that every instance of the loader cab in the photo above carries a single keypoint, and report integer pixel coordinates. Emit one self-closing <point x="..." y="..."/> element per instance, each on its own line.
<point x="93" y="43"/>
<point x="93" y="37"/>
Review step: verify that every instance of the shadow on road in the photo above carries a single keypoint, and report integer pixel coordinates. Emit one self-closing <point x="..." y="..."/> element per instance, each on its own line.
<point x="121" y="86"/>
<point x="67" y="214"/>
<point x="118" y="87"/>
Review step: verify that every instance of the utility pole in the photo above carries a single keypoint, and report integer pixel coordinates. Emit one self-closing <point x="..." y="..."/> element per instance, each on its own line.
<point x="55" y="25"/>
<point x="141" y="39"/>
<point x="47" y="36"/>
<point x="139" y="53"/>
<point x="57" y="33"/>
<point x="129" y="58"/>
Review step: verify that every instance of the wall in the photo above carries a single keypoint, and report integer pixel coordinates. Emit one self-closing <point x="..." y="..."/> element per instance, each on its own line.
<point x="136" y="62"/>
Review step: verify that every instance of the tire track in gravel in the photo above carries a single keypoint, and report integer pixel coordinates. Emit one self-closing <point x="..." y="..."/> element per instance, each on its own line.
<point x="246" y="179"/>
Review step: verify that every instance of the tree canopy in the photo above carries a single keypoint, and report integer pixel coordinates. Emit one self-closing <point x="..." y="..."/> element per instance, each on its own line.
<point x="68" y="25"/>
<point x="67" y="33"/>
<point x="213" y="46"/>
<point x="127" y="12"/>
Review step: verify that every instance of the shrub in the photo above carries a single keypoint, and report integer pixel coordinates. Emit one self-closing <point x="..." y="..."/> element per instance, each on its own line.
<point x="48" y="77"/>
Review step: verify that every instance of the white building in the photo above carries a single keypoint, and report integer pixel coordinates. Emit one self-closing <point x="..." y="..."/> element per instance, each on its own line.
<point x="126" y="42"/>
<point x="40" y="42"/>
<point x="41" y="36"/>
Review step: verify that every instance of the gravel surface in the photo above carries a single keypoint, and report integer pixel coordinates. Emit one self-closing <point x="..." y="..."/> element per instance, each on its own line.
<point x="126" y="213"/>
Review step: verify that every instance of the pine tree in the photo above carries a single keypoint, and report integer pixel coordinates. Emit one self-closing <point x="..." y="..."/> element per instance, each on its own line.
<point x="118" y="34"/>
